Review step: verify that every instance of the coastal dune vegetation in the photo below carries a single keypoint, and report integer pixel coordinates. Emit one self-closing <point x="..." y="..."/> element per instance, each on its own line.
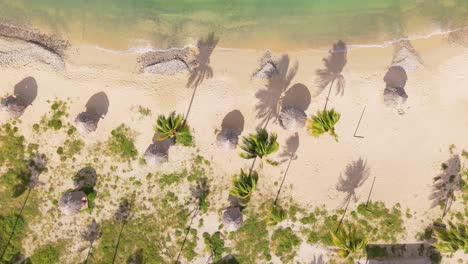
<point x="76" y="186"/>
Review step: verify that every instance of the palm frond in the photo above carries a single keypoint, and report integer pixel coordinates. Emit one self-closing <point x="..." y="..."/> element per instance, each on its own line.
<point x="348" y="241"/>
<point x="451" y="239"/>
<point x="174" y="127"/>
<point x="244" y="185"/>
<point x="323" y="122"/>
<point x="259" y="145"/>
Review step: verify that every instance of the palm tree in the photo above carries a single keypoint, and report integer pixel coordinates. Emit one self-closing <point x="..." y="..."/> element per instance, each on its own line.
<point x="451" y="239"/>
<point x="244" y="185"/>
<point x="277" y="214"/>
<point x="323" y="122"/>
<point x="348" y="241"/>
<point x="173" y="127"/>
<point x="260" y="145"/>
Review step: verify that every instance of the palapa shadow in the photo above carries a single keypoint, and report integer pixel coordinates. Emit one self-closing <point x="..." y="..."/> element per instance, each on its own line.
<point x="355" y="175"/>
<point x="270" y="97"/>
<point x="334" y="64"/>
<point x="231" y="128"/>
<point x="98" y="105"/>
<point x="26" y="90"/>
<point x="297" y="96"/>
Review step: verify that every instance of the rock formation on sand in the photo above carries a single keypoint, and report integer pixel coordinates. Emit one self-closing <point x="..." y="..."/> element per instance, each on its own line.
<point x="292" y="118"/>
<point x="167" y="62"/>
<point x="459" y="36"/>
<point x="30" y="46"/>
<point x="406" y="56"/>
<point x="72" y="202"/>
<point x="267" y="67"/>
<point x="232" y="218"/>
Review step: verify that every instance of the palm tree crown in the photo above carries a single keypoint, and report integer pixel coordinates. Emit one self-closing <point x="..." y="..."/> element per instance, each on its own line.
<point x="259" y="145"/>
<point x="451" y="239"/>
<point x="323" y="122"/>
<point x="174" y="127"/>
<point x="244" y="185"/>
<point x="348" y="241"/>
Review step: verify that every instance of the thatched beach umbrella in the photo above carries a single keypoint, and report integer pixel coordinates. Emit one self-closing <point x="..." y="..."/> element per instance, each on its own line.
<point x="86" y="122"/>
<point x="72" y="202"/>
<point x="155" y="154"/>
<point x="227" y="139"/>
<point x="232" y="218"/>
<point x="394" y="96"/>
<point x="14" y="106"/>
<point x="292" y="118"/>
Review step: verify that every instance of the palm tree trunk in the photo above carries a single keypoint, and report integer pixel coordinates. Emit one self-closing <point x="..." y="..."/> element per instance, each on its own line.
<point x="186" y="234"/>
<point x="190" y="105"/>
<point x="89" y="252"/>
<point x="328" y="96"/>
<point x="253" y="164"/>
<point x="344" y="213"/>
<point x="118" y="242"/>
<point x="16" y="223"/>
<point x="282" y="181"/>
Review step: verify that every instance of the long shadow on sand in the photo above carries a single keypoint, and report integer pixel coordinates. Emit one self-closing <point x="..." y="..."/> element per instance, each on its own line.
<point x="334" y="64"/>
<point x="26" y="90"/>
<point x="355" y="175"/>
<point x="202" y="69"/>
<point x="269" y="97"/>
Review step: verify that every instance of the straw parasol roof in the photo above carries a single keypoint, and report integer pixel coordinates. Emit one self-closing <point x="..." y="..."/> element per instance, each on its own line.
<point x="232" y="218"/>
<point x="394" y="96"/>
<point x="86" y="122"/>
<point x="227" y="139"/>
<point x="292" y="118"/>
<point x="13" y="105"/>
<point x="72" y="202"/>
<point x="155" y="154"/>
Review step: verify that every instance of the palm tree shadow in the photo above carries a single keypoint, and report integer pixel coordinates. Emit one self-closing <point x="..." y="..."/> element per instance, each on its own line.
<point x="270" y="97"/>
<point x="121" y="216"/>
<point x="446" y="183"/>
<point x="356" y="174"/>
<point x="334" y="64"/>
<point x="290" y="149"/>
<point x="202" y="69"/>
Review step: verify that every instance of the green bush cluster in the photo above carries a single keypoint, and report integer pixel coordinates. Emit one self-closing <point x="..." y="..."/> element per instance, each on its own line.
<point x="121" y="143"/>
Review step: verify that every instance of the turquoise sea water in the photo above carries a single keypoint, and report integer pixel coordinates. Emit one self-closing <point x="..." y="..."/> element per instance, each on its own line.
<point x="277" y="24"/>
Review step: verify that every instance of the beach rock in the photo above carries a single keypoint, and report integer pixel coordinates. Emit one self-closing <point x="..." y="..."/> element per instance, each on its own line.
<point x="227" y="139"/>
<point x="292" y="118"/>
<point x="14" y="106"/>
<point x="51" y="43"/>
<point x="171" y="67"/>
<point x="155" y="155"/>
<point x="459" y="36"/>
<point x="406" y="56"/>
<point x="14" y="53"/>
<point x="85" y="123"/>
<point x="232" y="218"/>
<point x="168" y="62"/>
<point x="72" y="202"/>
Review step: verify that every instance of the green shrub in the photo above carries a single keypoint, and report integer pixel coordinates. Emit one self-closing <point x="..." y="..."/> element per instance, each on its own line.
<point x="47" y="254"/>
<point x="284" y="242"/>
<point x="215" y="245"/>
<point x="174" y="127"/>
<point x="7" y="224"/>
<point x="121" y="143"/>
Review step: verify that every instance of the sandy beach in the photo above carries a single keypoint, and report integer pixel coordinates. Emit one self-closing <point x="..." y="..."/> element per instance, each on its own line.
<point x="400" y="149"/>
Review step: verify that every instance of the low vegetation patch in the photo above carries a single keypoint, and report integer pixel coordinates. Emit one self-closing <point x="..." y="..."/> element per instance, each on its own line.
<point x="284" y="243"/>
<point x="46" y="254"/>
<point x="251" y="241"/>
<point x="121" y="143"/>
